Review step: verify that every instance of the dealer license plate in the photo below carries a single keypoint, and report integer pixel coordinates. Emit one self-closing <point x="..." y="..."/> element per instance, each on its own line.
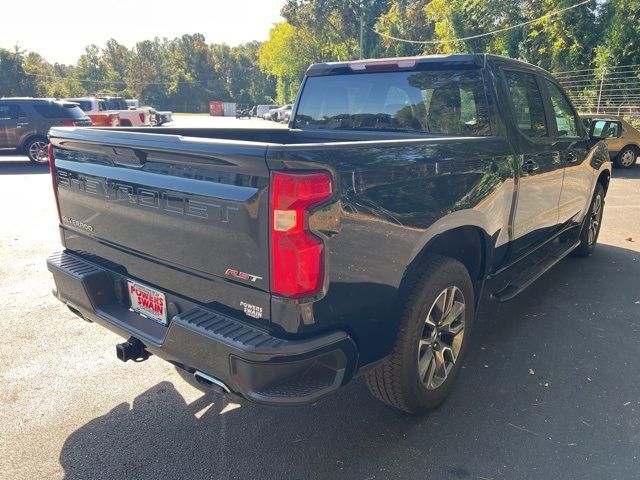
<point x="148" y="302"/>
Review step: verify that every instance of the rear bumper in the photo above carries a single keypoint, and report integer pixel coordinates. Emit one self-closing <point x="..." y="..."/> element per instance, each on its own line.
<point x="248" y="360"/>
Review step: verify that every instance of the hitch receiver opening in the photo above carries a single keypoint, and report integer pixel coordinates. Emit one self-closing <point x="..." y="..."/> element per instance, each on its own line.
<point x="132" y="349"/>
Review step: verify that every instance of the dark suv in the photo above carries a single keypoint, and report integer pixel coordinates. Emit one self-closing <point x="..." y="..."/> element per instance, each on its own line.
<point x="25" y="123"/>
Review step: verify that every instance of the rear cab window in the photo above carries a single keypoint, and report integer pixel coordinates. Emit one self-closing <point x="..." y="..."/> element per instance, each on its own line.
<point x="443" y="102"/>
<point x="85" y="105"/>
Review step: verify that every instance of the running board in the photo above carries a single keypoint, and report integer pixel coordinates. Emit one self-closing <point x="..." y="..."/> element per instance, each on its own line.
<point x="526" y="278"/>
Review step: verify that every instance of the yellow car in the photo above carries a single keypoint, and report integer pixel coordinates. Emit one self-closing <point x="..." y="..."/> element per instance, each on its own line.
<point x="624" y="146"/>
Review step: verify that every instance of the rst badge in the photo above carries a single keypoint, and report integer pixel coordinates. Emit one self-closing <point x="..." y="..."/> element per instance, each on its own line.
<point x="241" y="275"/>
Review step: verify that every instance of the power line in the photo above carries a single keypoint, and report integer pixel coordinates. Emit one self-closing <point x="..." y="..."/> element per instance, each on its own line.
<point x="119" y="82"/>
<point x="598" y="69"/>
<point x="472" y="37"/>
<point x="596" y="79"/>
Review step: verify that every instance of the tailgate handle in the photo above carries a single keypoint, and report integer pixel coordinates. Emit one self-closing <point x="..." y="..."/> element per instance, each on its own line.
<point x="129" y="156"/>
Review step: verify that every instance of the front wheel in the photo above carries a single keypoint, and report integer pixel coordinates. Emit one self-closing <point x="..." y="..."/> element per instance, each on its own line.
<point x="432" y="339"/>
<point x="591" y="224"/>
<point x="36" y="150"/>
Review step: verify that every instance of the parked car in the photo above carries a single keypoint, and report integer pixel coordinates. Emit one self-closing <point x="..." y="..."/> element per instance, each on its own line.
<point x="243" y="113"/>
<point x="623" y="140"/>
<point x="96" y="110"/>
<point x="261" y="110"/>
<point x="273" y="114"/>
<point x="278" y="264"/>
<point x="163" y="118"/>
<point x="278" y="114"/>
<point x="138" y="117"/>
<point x="25" y="123"/>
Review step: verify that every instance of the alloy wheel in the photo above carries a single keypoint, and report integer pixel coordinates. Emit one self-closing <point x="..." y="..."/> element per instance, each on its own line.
<point x="441" y="338"/>
<point x="38" y="151"/>
<point x="595" y="218"/>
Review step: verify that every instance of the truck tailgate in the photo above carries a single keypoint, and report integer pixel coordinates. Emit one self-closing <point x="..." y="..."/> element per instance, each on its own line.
<point x="188" y="215"/>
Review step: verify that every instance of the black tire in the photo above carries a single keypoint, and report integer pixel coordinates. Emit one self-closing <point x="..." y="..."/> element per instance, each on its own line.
<point x="627" y="157"/>
<point x="397" y="380"/>
<point x="36" y="150"/>
<point x="590" y="230"/>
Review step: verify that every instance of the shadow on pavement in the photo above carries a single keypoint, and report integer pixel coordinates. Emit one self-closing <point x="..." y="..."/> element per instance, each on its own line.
<point x="627" y="173"/>
<point x="549" y="390"/>
<point x="11" y="167"/>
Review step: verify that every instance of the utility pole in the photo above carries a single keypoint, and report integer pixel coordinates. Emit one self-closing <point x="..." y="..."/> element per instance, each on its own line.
<point x="600" y="91"/>
<point x="359" y="11"/>
<point x="361" y="32"/>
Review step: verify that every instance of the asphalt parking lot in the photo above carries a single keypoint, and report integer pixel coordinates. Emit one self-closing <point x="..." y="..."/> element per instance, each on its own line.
<point x="550" y="388"/>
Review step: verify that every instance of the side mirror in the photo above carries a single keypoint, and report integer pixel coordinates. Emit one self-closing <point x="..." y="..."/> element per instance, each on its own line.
<point x="600" y="129"/>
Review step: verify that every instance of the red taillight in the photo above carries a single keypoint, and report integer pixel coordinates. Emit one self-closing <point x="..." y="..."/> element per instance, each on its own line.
<point x="297" y="255"/>
<point x="54" y="183"/>
<point x="68" y="123"/>
<point x="141" y="117"/>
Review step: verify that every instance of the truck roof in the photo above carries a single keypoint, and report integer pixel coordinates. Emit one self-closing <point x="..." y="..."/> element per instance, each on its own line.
<point x="408" y="63"/>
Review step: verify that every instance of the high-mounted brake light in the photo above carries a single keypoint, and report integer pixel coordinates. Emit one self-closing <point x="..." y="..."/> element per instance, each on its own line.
<point x="54" y="183"/>
<point x="383" y="65"/>
<point x="297" y="255"/>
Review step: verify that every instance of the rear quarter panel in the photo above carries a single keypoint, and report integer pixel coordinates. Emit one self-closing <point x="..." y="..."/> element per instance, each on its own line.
<point x="393" y="198"/>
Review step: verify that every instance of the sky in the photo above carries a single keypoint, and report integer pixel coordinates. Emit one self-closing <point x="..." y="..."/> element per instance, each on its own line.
<point x="60" y="30"/>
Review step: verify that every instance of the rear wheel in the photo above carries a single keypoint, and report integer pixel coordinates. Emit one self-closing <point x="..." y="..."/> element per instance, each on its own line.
<point x="591" y="224"/>
<point x="432" y="339"/>
<point x="626" y="158"/>
<point x="36" y="150"/>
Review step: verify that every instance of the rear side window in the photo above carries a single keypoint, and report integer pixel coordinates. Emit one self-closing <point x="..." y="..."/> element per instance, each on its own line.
<point x="605" y="129"/>
<point x="58" y="110"/>
<point x="10" y="112"/>
<point x="527" y="103"/>
<point x="448" y="102"/>
<point x="563" y="113"/>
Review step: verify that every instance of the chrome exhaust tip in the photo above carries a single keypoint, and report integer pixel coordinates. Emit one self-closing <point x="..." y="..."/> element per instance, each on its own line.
<point x="209" y="381"/>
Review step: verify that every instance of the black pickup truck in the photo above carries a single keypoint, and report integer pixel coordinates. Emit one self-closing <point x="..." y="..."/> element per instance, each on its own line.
<point x="277" y="264"/>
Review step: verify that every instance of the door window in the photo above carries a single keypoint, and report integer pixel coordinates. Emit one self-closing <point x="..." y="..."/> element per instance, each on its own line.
<point x="563" y="113"/>
<point x="527" y="103"/>
<point x="9" y="112"/>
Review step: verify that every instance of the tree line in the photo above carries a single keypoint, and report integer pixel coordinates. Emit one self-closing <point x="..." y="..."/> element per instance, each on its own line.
<point x="183" y="74"/>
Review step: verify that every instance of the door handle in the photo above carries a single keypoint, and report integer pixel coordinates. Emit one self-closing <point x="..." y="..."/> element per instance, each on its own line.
<point x="530" y="166"/>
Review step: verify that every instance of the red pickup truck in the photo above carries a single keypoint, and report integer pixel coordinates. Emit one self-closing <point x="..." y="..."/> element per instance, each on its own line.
<point x="96" y="109"/>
